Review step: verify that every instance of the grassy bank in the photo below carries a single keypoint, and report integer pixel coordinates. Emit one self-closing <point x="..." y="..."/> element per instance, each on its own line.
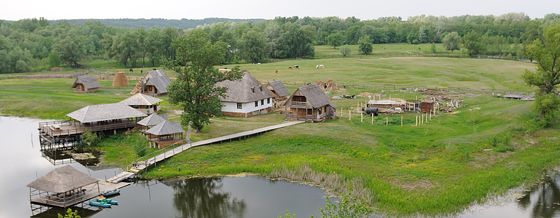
<point x="429" y="169"/>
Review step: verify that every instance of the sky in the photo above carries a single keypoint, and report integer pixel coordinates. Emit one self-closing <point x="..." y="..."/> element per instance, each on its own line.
<point x="177" y="9"/>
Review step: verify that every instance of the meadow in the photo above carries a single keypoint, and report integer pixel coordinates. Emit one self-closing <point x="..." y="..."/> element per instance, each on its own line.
<point x="486" y="147"/>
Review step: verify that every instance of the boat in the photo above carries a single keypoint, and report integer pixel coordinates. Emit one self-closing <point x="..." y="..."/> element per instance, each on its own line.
<point x="107" y="201"/>
<point x="111" y="193"/>
<point x="96" y="203"/>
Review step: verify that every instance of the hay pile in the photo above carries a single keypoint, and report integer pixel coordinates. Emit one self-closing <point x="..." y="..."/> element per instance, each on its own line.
<point x="120" y="80"/>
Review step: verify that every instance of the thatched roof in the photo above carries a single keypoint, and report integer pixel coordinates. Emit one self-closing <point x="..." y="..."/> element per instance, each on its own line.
<point x="279" y="87"/>
<point x="88" y="82"/>
<point x="141" y="99"/>
<point x="151" y="120"/>
<point x="102" y="112"/>
<point x="62" y="179"/>
<point x="158" y="79"/>
<point x="246" y="89"/>
<point x="166" y="128"/>
<point x="314" y="95"/>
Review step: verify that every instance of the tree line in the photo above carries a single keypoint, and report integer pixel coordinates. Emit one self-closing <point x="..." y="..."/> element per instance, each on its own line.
<point x="34" y="44"/>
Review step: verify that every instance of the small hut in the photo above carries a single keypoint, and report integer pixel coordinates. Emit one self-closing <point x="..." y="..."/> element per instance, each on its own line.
<point x="151" y="121"/>
<point x="154" y="83"/>
<point x="85" y="83"/>
<point x="63" y="187"/>
<point x="310" y="103"/>
<point x="164" y="134"/>
<point x="279" y="90"/>
<point x="142" y="102"/>
<point x="120" y="80"/>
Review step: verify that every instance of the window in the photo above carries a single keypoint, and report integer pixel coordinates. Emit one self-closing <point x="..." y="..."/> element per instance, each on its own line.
<point x="253" y="89"/>
<point x="260" y="87"/>
<point x="256" y="103"/>
<point x="239" y="106"/>
<point x="268" y="100"/>
<point x="262" y="101"/>
<point x="309" y="112"/>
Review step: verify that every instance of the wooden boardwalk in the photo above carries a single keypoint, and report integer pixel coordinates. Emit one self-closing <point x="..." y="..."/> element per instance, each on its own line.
<point x="89" y="194"/>
<point x="142" y="165"/>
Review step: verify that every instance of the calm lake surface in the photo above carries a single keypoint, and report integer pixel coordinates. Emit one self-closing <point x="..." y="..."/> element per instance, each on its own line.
<point x="21" y="162"/>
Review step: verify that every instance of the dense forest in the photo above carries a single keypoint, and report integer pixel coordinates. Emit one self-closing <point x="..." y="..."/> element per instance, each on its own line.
<point x="156" y="22"/>
<point x="36" y="44"/>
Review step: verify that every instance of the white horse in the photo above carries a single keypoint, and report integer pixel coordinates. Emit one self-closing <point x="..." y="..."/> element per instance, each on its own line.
<point x="319" y="66"/>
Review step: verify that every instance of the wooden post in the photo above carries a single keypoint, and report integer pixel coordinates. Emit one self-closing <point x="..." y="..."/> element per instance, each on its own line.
<point x="401" y="120"/>
<point x="430" y="114"/>
<point x="421" y="118"/>
<point x="349" y="114"/>
<point x="416" y="120"/>
<point x="371" y="118"/>
<point x="386" y="121"/>
<point x="361" y="117"/>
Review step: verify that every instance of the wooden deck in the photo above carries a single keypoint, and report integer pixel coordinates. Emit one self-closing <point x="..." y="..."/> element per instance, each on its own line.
<point x="141" y="165"/>
<point x="91" y="193"/>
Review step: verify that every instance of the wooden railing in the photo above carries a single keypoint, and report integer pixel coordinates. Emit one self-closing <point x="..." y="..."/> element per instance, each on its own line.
<point x="73" y="127"/>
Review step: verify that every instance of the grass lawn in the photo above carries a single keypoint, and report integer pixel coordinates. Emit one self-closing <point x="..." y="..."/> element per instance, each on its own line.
<point x="443" y="166"/>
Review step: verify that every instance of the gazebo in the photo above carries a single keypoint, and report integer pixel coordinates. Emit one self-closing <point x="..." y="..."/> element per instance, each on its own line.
<point x="151" y="121"/>
<point x="63" y="187"/>
<point x="142" y="102"/>
<point x="164" y="134"/>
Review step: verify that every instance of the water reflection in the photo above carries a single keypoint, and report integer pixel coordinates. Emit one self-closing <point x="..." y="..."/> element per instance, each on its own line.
<point x="547" y="197"/>
<point x="203" y="197"/>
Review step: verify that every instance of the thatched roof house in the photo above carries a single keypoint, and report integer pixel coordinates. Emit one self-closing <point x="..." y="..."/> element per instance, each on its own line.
<point x="64" y="187"/>
<point x="245" y="97"/>
<point x="309" y="102"/>
<point x="278" y="89"/>
<point x="155" y="82"/>
<point x="165" y="133"/>
<point x="142" y="102"/>
<point x="85" y="83"/>
<point x="105" y="112"/>
<point x="152" y="120"/>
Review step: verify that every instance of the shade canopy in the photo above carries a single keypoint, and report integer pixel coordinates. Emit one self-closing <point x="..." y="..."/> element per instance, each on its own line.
<point x="104" y="112"/>
<point x="166" y="128"/>
<point x="152" y="120"/>
<point x="141" y="99"/>
<point x="62" y="179"/>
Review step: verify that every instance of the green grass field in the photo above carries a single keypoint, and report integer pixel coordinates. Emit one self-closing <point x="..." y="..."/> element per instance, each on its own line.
<point x="443" y="166"/>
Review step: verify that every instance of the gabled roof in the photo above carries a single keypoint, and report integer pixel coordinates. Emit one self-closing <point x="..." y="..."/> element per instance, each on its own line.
<point x="151" y="120"/>
<point x="102" y="112"/>
<point x="246" y="89"/>
<point x="279" y="88"/>
<point x="314" y="95"/>
<point x="158" y="79"/>
<point x="62" y="179"/>
<point x="141" y="99"/>
<point x="88" y="82"/>
<point x="166" y="128"/>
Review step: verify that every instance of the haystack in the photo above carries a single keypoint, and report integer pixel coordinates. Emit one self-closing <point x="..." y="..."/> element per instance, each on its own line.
<point x="120" y="80"/>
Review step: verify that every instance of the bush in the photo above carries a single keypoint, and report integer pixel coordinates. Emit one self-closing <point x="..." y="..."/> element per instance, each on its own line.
<point x="90" y="138"/>
<point x="345" y="51"/>
<point x="140" y="150"/>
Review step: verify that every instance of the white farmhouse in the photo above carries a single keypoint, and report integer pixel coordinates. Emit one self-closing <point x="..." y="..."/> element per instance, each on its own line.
<point x="245" y="97"/>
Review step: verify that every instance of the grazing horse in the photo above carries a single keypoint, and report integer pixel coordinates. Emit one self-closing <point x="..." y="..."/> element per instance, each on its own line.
<point x="321" y="66"/>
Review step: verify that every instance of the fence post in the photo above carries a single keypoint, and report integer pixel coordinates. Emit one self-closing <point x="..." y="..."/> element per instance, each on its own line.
<point x="361" y="117"/>
<point x="350" y="114"/>
<point x="401" y="120"/>
<point x="371" y="118"/>
<point x="386" y="121"/>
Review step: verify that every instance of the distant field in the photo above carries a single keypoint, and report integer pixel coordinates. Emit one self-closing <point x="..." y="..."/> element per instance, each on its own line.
<point x="395" y="49"/>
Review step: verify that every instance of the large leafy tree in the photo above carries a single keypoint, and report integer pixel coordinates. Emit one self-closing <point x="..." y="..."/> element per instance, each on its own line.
<point x="71" y="49"/>
<point x="473" y="43"/>
<point x="452" y="41"/>
<point x="254" y="47"/>
<point x="195" y="90"/>
<point x="546" y="52"/>
<point x="335" y="39"/>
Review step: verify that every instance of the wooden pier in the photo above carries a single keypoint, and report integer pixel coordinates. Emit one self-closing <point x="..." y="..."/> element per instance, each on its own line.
<point x="90" y="193"/>
<point x="139" y="166"/>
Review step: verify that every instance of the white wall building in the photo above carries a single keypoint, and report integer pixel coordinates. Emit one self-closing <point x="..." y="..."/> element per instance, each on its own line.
<point x="246" y="97"/>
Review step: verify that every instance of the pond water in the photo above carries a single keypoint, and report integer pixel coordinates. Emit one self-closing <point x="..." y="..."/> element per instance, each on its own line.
<point x="22" y="162"/>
